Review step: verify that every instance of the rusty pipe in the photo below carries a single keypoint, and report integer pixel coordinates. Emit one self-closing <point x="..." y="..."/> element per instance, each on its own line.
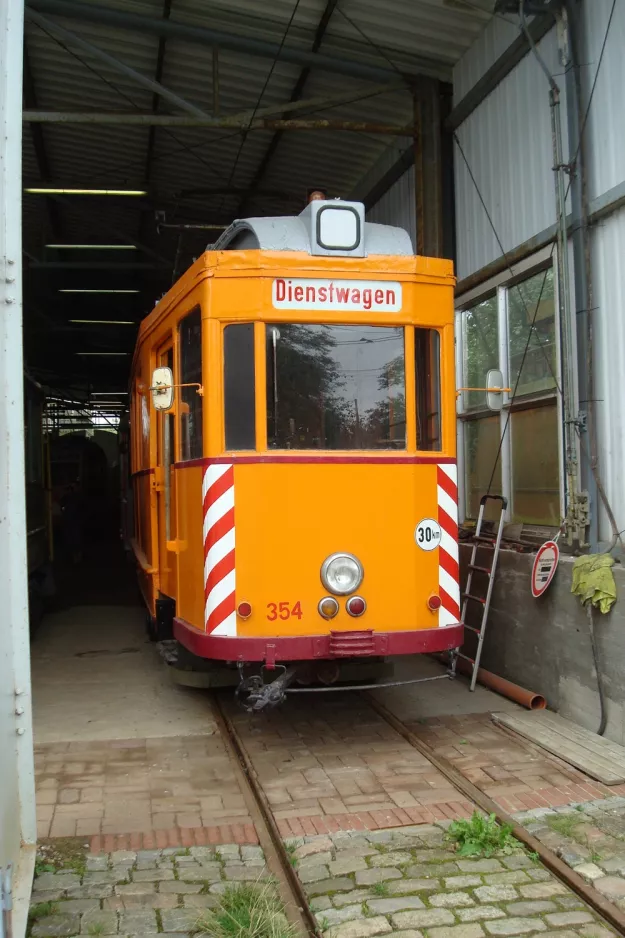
<point x="526" y="698"/>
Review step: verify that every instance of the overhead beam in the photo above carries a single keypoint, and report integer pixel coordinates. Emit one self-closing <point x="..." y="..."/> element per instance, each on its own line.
<point x="506" y="62"/>
<point x="212" y="37"/>
<point x="296" y="95"/>
<point x="135" y="119"/>
<point x="119" y="66"/>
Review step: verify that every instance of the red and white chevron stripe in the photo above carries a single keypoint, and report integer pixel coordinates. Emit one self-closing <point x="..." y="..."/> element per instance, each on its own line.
<point x="219" y="570"/>
<point x="448" y="569"/>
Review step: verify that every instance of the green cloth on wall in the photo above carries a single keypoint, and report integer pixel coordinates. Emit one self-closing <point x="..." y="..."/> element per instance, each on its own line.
<point x="593" y="581"/>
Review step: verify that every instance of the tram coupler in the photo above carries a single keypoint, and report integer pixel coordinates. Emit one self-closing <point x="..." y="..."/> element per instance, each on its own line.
<point x="253" y="694"/>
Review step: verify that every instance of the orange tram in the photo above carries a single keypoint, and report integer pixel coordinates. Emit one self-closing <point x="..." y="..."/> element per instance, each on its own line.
<point x="292" y="445"/>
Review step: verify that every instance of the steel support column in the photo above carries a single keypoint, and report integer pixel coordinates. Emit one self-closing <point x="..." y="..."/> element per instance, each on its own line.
<point x="582" y="281"/>
<point x="428" y="167"/>
<point x="18" y="832"/>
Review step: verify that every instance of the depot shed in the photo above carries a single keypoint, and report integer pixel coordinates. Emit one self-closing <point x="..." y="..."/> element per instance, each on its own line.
<point x="132" y="134"/>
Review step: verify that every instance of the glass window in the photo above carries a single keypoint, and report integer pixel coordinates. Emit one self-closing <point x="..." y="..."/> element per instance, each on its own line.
<point x="335" y="387"/>
<point x="532" y="301"/>
<point x="535" y="465"/>
<point x="481" y="445"/>
<point x="481" y="342"/>
<point x="239" y="385"/>
<point x="190" y="333"/>
<point x="428" y="385"/>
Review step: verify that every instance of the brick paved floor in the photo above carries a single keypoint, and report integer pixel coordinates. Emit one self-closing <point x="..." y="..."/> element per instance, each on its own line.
<point x="512" y="771"/>
<point x="410" y="883"/>
<point x="338" y="765"/>
<point x="155" y="787"/>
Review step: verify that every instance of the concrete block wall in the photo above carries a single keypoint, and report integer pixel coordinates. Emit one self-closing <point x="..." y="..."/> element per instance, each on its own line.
<point x="544" y="644"/>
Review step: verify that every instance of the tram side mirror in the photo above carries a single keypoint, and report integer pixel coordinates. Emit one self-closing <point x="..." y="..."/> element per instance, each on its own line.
<point x="494" y="389"/>
<point x="162" y="388"/>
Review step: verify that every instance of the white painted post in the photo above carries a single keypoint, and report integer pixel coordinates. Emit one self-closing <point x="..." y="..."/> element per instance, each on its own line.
<point x="17" y="795"/>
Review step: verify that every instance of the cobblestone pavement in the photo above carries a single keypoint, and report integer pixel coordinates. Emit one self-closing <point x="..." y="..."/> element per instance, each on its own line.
<point x="152" y="787"/>
<point x="411" y="884"/>
<point x="139" y="893"/>
<point x="589" y="837"/>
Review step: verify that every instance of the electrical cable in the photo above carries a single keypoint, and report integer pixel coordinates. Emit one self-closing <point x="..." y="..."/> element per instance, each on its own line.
<point x="264" y="88"/>
<point x="595" y="654"/>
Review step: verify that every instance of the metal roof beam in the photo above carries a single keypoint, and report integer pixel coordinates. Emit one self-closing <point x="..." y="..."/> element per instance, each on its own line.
<point x="506" y="62"/>
<point x="154" y="86"/>
<point x="135" y="119"/>
<point x="212" y="37"/>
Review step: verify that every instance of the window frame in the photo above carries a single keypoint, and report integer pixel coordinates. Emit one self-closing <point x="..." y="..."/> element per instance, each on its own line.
<point x="499" y="287"/>
<point x="195" y="307"/>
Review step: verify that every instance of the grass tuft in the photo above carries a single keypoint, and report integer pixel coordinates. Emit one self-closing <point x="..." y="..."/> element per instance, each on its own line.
<point x="247" y="910"/>
<point x="481" y="836"/>
<point x="563" y="824"/>
<point x="96" y="928"/>
<point x="380" y="889"/>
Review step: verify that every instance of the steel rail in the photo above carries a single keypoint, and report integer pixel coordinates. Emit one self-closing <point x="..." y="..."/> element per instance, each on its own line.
<point x="278" y="860"/>
<point x="611" y="913"/>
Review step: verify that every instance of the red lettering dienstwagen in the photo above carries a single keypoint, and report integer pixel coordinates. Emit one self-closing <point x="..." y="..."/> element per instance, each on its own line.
<point x="378" y="296"/>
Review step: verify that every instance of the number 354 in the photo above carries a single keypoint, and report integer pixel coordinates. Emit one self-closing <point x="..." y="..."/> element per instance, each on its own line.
<point x="283" y="611"/>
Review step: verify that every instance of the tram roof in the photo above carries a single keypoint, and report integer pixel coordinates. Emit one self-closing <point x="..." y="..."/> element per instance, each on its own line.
<point x="355" y="58"/>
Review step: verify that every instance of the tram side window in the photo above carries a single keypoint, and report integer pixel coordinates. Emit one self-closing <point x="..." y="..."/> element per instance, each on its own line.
<point x="428" y="386"/>
<point x="239" y="386"/>
<point x="190" y="332"/>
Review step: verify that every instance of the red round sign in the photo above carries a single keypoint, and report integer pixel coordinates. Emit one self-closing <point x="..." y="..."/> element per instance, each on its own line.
<point x="545" y="565"/>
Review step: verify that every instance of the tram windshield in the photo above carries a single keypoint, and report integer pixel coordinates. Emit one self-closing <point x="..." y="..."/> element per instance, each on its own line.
<point x="335" y="387"/>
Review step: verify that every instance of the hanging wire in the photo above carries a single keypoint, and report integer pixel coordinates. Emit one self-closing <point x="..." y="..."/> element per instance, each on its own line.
<point x="264" y="88"/>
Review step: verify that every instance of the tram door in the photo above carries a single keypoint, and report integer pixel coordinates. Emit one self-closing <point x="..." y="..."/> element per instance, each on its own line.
<point x="166" y="481"/>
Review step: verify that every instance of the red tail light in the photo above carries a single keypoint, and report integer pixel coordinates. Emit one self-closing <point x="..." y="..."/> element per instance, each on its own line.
<point x="356" y="606"/>
<point x="244" y="610"/>
<point x="434" y="602"/>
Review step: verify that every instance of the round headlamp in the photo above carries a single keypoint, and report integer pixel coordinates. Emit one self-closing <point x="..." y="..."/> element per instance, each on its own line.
<point x="341" y="574"/>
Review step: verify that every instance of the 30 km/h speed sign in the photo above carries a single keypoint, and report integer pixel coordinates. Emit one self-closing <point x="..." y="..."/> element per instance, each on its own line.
<point x="428" y="534"/>
<point x="545" y="565"/>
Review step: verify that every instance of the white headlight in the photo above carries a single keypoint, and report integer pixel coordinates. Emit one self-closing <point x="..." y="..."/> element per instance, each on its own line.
<point x="341" y="574"/>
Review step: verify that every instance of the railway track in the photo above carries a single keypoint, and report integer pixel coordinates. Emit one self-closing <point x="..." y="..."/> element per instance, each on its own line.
<point x="279" y="860"/>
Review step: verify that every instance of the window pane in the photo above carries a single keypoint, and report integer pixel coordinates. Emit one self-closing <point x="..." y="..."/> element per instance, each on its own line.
<point x="481" y="337"/>
<point x="481" y="443"/>
<point x="335" y="387"/>
<point x="532" y="298"/>
<point x="191" y="372"/>
<point x="239" y="400"/>
<point x="535" y="466"/>
<point x="428" y="385"/>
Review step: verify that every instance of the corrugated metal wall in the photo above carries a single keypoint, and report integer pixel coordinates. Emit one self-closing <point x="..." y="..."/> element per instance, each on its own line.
<point x="605" y="131"/>
<point x="508" y="150"/>
<point x="397" y="206"/>
<point x="608" y="251"/>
